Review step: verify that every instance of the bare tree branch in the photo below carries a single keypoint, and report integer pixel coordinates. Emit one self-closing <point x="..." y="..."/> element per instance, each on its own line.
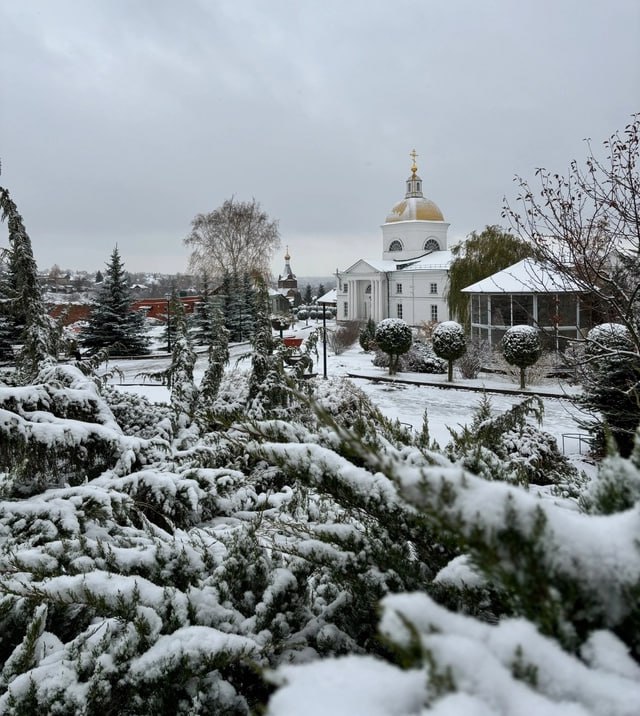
<point x="238" y="237"/>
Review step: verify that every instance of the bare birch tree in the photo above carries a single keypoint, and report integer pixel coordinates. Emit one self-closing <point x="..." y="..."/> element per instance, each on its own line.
<point x="236" y="238"/>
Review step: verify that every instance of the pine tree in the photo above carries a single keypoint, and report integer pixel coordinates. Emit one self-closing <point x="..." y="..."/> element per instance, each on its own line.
<point x="234" y="307"/>
<point x="184" y="394"/>
<point x="249" y="307"/>
<point x="112" y="324"/>
<point x="610" y="376"/>
<point x="39" y="335"/>
<point x="267" y="386"/>
<point x="217" y="360"/>
<point x="202" y="321"/>
<point x="367" y="335"/>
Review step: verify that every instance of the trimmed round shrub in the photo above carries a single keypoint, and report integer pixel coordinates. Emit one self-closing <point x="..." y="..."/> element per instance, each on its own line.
<point x="393" y="336"/>
<point x="521" y="347"/>
<point x="420" y="358"/>
<point x="449" y="342"/>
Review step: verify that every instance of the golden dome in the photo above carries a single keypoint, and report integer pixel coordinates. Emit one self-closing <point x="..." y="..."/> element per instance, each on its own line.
<point x="415" y="208"/>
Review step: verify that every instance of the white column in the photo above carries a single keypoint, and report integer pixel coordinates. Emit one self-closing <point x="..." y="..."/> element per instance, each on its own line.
<point x="374" y="298"/>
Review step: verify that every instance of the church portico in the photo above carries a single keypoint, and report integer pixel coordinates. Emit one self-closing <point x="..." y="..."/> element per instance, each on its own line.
<point x="362" y="292"/>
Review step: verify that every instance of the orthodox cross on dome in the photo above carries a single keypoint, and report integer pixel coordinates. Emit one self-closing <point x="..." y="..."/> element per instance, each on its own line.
<point x="287" y="278"/>
<point x="287" y="273"/>
<point x="413" y="154"/>
<point x="414" y="183"/>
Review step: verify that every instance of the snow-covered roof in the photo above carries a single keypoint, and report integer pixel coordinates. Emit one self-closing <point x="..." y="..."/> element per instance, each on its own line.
<point x="428" y="262"/>
<point x="329" y="297"/>
<point x="375" y="264"/>
<point x="526" y="276"/>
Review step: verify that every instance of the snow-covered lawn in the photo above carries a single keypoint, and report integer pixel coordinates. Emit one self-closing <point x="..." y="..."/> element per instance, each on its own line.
<point x="446" y="406"/>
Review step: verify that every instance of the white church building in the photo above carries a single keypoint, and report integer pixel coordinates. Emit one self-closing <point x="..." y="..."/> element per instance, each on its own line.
<point x="409" y="281"/>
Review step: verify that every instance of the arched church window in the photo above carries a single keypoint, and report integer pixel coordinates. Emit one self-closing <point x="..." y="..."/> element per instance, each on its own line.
<point x="395" y="245"/>
<point x="431" y="245"/>
<point x="368" y="289"/>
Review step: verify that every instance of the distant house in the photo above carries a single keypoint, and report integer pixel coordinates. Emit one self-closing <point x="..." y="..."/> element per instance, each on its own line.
<point x="68" y="313"/>
<point x="157" y="307"/>
<point x="279" y="304"/>
<point x="528" y="293"/>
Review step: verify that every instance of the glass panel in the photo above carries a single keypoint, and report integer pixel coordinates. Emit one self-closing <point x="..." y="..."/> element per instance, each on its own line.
<point x="500" y="310"/>
<point x="484" y="310"/>
<point x="566" y="306"/>
<point x="522" y="307"/>
<point x="546" y="309"/>
<point x="548" y="339"/>
<point x="496" y="336"/>
<point x="475" y="309"/>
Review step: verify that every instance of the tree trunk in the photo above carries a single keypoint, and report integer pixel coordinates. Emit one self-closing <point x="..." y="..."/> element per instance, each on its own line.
<point x="450" y="372"/>
<point x="522" y="386"/>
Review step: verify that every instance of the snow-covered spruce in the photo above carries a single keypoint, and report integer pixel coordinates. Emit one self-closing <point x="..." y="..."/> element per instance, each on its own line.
<point x="611" y="386"/>
<point x="112" y="324"/>
<point x="393" y="337"/>
<point x="449" y="342"/>
<point x="177" y="586"/>
<point x="521" y="347"/>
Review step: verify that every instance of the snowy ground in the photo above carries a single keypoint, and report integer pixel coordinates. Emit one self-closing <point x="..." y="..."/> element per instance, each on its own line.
<point x="445" y="406"/>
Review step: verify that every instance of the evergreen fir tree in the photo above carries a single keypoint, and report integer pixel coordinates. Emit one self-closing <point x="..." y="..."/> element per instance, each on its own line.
<point x="112" y="324"/>
<point x="202" y="321"/>
<point x="39" y="335"/>
<point x="249" y="308"/>
<point x="184" y="394"/>
<point x="367" y="335"/>
<point x="234" y="308"/>
<point x="610" y="377"/>
<point x="267" y="386"/>
<point x="217" y="360"/>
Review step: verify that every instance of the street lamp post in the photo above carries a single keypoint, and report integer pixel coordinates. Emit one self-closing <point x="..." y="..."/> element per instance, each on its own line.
<point x="168" y="324"/>
<point x="324" y="338"/>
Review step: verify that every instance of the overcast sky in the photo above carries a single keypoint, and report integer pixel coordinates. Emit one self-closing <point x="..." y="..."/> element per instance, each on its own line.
<point x="120" y="120"/>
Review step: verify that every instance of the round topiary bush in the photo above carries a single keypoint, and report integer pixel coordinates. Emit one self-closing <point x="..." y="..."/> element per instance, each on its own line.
<point x="393" y="337"/>
<point x="521" y="347"/>
<point x="449" y="342"/>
